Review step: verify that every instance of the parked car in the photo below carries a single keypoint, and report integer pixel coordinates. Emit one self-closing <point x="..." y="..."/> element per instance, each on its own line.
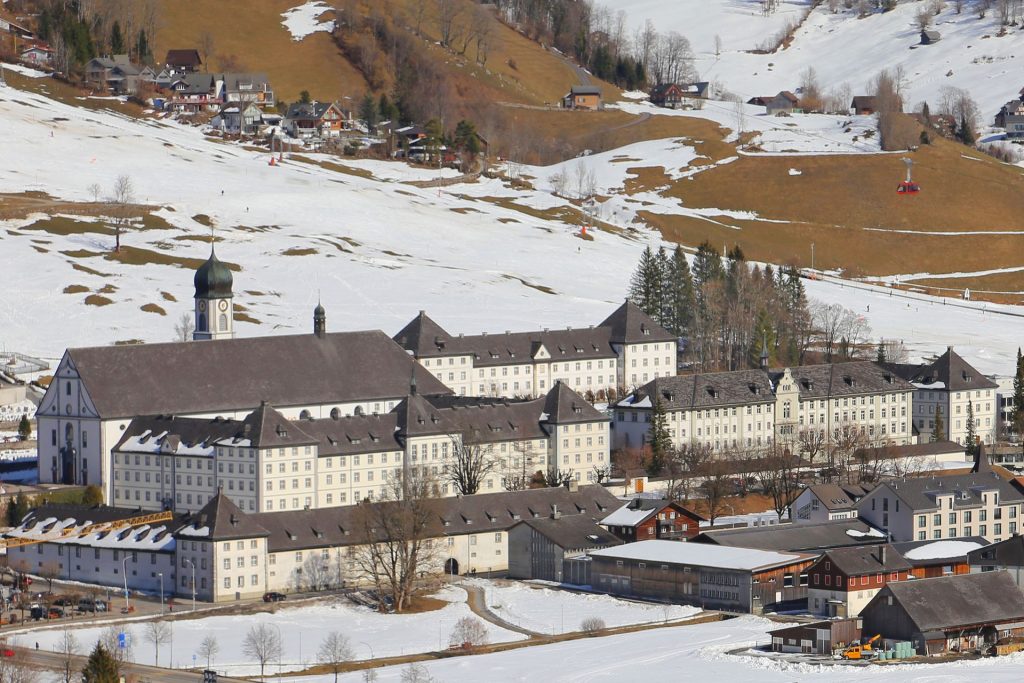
<point x="55" y="613"/>
<point x="66" y="601"/>
<point x="273" y="596"/>
<point x="90" y="605"/>
<point x="37" y="612"/>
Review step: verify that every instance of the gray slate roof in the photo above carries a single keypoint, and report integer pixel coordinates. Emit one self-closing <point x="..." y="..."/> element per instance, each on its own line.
<point x="630" y="325"/>
<point x="836" y="497"/>
<point x="224" y="520"/>
<point x="795" y="537"/>
<point x="831" y="380"/>
<point x="905" y="547"/>
<point x="585" y="90"/>
<point x="480" y="513"/>
<point x="573" y="532"/>
<point x="866" y="559"/>
<point x="237" y="374"/>
<point x="950" y="369"/>
<point x="919" y="493"/>
<point x="1008" y="553"/>
<point x="706" y="390"/>
<point x="951" y="602"/>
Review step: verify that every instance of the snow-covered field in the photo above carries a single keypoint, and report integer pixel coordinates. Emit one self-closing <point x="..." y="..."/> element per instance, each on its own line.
<point x="544" y="610"/>
<point x="684" y="653"/>
<point x="843" y="48"/>
<point x="302" y="629"/>
<point x="478" y="257"/>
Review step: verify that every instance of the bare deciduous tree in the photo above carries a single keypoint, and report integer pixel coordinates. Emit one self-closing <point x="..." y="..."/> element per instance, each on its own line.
<point x="334" y="652"/>
<point x="122" y="198"/>
<point x="95" y="190"/>
<point x="206" y="47"/>
<point x="68" y="647"/>
<point x="209" y="648"/>
<point x="184" y="328"/>
<point x="714" y="487"/>
<point x="157" y="633"/>
<point x="469" y="465"/>
<point x="592" y="625"/>
<point x="395" y="537"/>
<point x="416" y="673"/>
<point x="448" y="12"/>
<point x="18" y="669"/>
<point x="111" y="641"/>
<point x="262" y="644"/>
<point x="468" y="632"/>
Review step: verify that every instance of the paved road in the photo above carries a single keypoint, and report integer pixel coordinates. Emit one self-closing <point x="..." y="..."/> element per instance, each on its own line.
<point x="146" y="674"/>
<point x="478" y="605"/>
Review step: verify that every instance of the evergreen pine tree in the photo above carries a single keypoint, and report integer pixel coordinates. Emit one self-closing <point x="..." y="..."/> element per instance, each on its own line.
<point x="641" y="285"/>
<point x="25" y="428"/>
<point x="971" y="439"/>
<point x="880" y="354"/>
<point x="660" y="441"/>
<point x="17" y="509"/>
<point x="142" y="47"/>
<point x="939" y="431"/>
<point x="387" y="110"/>
<point x="368" y="112"/>
<point x="660" y="286"/>
<point x="116" y="39"/>
<point x="966" y="132"/>
<point x="101" y="667"/>
<point x="1017" y="416"/>
<point x="707" y="265"/>
<point x="680" y="294"/>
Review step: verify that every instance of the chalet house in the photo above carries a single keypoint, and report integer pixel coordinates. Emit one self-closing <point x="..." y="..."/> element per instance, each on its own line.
<point x="679" y="95"/>
<point x="38" y="55"/>
<point x="826" y="502"/>
<point x="643" y="519"/>
<point x="930" y="37"/>
<point x="844" y="580"/>
<point x="946" y="507"/>
<point x="1011" y="117"/>
<point x="864" y="105"/>
<point x="586" y="97"/>
<point x="930" y="559"/>
<point x="948" y="384"/>
<point x="713" y="577"/>
<point x="243" y="88"/>
<point x="539" y="548"/>
<point x="241" y="119"/>
<point x="183" y="61"/>
<point x="810" y="538"/>
<point x="948" y="614"/>
<point x="819" y="637"/>
<point x="193" y="93"/>
<point x="1007" y="556"/>
<point x="98" y="69"/>
<point x="782" y="104"/>
<point x="314" y="120"/>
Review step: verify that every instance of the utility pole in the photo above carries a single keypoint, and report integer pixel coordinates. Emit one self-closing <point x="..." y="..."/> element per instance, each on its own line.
<point x="812" y="255"/>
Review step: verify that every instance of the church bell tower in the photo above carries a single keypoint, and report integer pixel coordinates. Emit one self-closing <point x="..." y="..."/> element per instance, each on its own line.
<point x="214" y="312"/>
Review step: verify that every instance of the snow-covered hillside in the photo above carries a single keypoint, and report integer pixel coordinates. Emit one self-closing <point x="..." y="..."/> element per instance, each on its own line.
<point x="844" y="48"/>
<point x="479" y="256"/>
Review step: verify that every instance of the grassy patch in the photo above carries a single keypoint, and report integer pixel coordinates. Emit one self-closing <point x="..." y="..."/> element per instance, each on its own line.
<point x="76" y="289"/>
<point x="107" y="289"/>
<point x="97" y="300"/>
<point x="167" y="296"/>
<point x="203" y="219"/>
<point x="153" y="308"/>
<point x="294" y="251"/>
<point x="137" y="256"/>
<point x="85" y="269"/>
<point x="65" y="226"/>
<point x="241" y="316"/>
<point x="539" y="288"/>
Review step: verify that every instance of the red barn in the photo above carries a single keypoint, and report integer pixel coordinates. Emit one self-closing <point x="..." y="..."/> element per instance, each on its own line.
<point x="645" y="519"/>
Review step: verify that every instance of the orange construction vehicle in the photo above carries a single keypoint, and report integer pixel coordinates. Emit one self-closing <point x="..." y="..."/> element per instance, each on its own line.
<point x="861" y="650"/>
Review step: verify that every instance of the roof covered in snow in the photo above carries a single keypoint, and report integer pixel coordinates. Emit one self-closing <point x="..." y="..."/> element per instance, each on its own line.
<point x="699" y="554"/>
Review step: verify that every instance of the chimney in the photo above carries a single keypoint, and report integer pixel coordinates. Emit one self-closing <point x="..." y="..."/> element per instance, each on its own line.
<point x="555" y="514"/>
<point x="573" y="486"/>
<point x="881" y="554"/>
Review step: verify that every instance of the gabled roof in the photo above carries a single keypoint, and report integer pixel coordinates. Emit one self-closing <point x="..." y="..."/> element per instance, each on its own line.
<point x="796" y="537"/>
<point x="183" y="58"/>
<point x="221" y="520"/>
<point x="235" y="81"/>
<point x="1008" y="553"/>
<point x="639" y="510"/>
<point x="708" y="390"/>
<point x="564" y="406"/>
<point x="573" y="532"/>
<point x="630" y="325"/>
<point x="864" y="102"/>
<point x="172" y="435"/>
<point x="267" y="428"/>
<point x="949" y="371"/>
<point x="932" y="552"/>
<point x="835" y="497"/>
<point x="866" y="559"/>
<point x="585" y="90"/>
<point x="829" y="380"/>
<point x="237" y="374"/>
<point x="308" y="110"/>
<point x="921" y="493"/>
<point x="951" y="602"/>
<point x="701" y="555"/>
<point x="196" y="84"/>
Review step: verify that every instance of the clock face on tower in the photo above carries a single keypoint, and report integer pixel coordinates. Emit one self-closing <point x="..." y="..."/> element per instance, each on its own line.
<point x="223" y="305"/>
<point x="202" y="305"/>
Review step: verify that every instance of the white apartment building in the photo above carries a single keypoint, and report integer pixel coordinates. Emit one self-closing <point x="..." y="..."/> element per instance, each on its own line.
<point x="949" y="383"/>
<point x="267" y="462"/>
<point x="626" y="350"/>
<point x="946" y="507"/>
<point x="752" y="408"/>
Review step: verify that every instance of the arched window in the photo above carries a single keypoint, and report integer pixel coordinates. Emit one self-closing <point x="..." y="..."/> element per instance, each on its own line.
<point x="69" y="434"/>
<point x="201" y="322"/>
<point x="335" y="413"/>
<point x="304" y="415"/>
<point x="223" y="322"/>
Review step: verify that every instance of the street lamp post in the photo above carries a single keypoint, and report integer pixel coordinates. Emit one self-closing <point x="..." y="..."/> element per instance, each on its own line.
<point x="124" y="570"/>
<point x="160" y="575"/>
<point x="280" y="647"/>
<point x="193" y="583"/>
